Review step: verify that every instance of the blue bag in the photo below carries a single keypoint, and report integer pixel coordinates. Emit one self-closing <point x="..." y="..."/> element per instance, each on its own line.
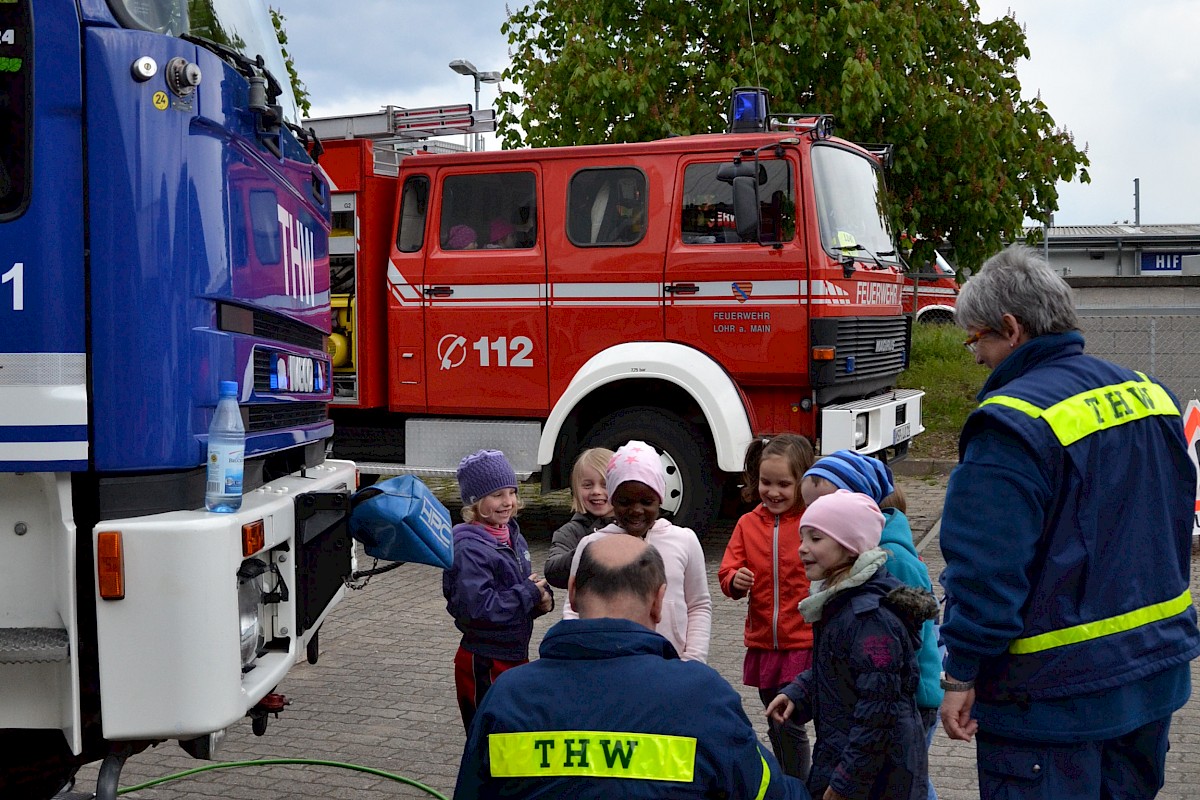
<point x="401" y="520"/>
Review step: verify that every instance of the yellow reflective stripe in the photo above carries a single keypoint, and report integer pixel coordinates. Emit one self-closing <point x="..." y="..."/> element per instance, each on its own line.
<point x="1103" y="627"/>
<point x="765" y="783"/>
<point x="1013" y="402"/>
<point x="592" y="754"/>
<point x="1097" y="409"/>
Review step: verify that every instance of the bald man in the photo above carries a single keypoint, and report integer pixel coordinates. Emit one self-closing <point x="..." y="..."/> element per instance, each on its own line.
<point x="610" y="710"/>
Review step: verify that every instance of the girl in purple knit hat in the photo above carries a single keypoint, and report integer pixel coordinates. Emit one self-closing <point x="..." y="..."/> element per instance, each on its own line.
<point x="636" y="485"/>
<point x="491" y="589"/>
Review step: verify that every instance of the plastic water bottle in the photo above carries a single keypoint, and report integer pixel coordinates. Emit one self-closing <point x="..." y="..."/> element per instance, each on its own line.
<point x="226" y="449"/>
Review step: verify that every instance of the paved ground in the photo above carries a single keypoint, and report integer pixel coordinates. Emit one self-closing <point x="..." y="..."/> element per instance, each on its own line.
<point x="382" y="694"/>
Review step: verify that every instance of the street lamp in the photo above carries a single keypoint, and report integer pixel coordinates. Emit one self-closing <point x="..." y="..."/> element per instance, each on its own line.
<point x="464" y="67"/>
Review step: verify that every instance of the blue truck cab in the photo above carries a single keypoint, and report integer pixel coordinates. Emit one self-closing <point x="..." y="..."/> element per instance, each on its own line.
<point x="162" y="229"/>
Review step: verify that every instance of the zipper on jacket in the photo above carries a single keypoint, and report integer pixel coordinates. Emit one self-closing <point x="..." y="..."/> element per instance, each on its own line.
<point x="775" y="584"/>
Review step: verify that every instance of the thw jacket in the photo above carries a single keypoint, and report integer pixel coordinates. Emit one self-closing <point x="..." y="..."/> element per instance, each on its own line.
<point x="609" y="710"/>
<point x="1067" y="537"/>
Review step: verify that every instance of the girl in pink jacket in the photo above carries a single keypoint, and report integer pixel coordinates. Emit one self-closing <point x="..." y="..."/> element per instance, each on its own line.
<point x="636" y="485"/>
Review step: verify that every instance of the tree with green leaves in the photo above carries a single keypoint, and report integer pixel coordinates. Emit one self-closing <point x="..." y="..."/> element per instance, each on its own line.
<point x="973" y="158"/>
<point x="298" y="86"/>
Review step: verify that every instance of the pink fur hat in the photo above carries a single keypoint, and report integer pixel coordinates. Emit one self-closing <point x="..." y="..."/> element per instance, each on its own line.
<point x="849" y="518"/>
<point x="636" y="461"/>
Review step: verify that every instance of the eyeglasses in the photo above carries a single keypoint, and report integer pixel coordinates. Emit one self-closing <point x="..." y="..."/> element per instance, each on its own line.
<point x="974" y="338"/>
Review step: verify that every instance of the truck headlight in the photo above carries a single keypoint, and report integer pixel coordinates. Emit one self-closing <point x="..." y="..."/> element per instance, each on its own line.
<point x="250" y="597"/>
<point x="861" y="429"/>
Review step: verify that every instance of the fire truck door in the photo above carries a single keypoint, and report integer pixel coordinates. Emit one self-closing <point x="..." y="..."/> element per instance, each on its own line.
<point x="405" y="303"/>
<point x="485" y="297"/>
<point x="606" y="264"/>
<point x="739" y="301"/>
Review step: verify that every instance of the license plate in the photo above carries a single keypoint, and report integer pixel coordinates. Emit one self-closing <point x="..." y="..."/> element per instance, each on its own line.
<point x="901" y="433"/>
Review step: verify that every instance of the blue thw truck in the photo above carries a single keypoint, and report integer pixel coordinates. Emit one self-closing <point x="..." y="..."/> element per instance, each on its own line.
<point x="162" y="229"/>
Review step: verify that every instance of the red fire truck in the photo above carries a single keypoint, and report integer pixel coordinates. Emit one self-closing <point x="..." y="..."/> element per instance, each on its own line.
<point x="933" y="290"/>
<point x="694" y="292"/>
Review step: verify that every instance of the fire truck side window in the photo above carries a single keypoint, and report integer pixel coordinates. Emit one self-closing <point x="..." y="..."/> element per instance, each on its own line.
<point x="16" y="42"/>
<point x="414" y="203"/>
<point x="606" y="207"/>
<point x="489" y="212"/>
<point x="708" y="205"/>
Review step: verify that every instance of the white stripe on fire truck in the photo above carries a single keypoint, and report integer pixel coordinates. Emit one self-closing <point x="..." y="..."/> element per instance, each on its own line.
<point x="623" y="294"/>
<point x="401" y="288"/>
<point x="609" y="295"/>
<point x="926" y="291"/>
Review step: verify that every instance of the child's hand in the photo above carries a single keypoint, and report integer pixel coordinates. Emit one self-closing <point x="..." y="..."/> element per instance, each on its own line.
<point x="830" y="794"/>
<point x="546" y="605"/>
<point x="742" y="580"/>
<point x="780" y="709"/>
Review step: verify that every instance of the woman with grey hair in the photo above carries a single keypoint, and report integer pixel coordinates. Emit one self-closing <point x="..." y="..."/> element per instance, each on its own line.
<point x="1067" y="538"/>
<point x="1014" y="298"/>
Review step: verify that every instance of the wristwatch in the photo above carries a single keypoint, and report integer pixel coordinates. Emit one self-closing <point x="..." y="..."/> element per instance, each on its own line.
<point x="951" y="685"/>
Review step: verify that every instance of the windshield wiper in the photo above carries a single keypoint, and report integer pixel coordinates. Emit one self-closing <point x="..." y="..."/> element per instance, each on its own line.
<point x="250" y="68"/>
<point x="238" y="61"/>
<point x="859" y="248"/>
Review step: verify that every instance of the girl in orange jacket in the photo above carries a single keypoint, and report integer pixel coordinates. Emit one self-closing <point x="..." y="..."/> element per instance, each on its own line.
<point x="762" y="560"/>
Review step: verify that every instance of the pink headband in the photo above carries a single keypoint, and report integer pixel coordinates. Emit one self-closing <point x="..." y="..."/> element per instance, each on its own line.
<point x="636" y="461"/>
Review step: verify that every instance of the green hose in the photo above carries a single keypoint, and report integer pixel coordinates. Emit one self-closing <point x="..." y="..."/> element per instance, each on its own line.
<point x="267" y="762"/>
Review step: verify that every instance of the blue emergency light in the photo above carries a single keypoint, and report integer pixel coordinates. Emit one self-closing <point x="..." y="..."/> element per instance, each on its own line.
<point x="748" y="109"/>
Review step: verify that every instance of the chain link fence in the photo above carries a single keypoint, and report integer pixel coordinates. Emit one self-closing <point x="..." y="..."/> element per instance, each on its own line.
<point x="1145" y="324"/>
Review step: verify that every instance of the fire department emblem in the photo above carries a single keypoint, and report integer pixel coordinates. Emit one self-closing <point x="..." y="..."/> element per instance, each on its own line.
<point x="742" y="290"/>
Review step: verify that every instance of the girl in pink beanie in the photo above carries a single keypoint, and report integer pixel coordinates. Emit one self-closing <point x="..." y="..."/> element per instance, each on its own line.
<point x="636" y="485"/>
<point x="861" y="689"/>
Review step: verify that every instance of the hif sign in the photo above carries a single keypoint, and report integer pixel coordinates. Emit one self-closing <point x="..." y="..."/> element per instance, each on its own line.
<point x="1191" y="432"/>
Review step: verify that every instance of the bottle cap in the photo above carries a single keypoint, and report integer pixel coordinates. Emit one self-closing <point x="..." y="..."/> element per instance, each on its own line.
<point x="229" y="388"/>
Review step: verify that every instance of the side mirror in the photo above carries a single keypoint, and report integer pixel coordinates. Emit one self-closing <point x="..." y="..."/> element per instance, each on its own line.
<point x="745" y="207"/>
<point x="848" y="267"/>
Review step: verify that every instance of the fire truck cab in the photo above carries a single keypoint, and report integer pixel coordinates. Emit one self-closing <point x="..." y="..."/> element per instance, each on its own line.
<point x="693" y="292"/>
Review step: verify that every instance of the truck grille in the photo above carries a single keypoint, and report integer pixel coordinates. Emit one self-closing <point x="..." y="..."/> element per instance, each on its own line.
<point x="273" y="416"/>
<point x="877" y="345"/>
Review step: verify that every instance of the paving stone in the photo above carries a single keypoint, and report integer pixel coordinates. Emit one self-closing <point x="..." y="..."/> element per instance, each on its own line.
<point x="382" y="694"/>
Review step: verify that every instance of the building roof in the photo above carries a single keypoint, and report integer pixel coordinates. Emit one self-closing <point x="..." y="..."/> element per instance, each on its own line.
<point x="1116" y="232"/>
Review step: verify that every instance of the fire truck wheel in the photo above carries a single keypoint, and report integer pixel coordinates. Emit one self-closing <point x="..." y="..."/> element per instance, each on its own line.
<point x="687" y="456"/>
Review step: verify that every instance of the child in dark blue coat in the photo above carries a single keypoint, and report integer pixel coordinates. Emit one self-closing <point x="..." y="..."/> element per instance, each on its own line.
<point x="861" y="690"/>
<point x="491" y="590"/>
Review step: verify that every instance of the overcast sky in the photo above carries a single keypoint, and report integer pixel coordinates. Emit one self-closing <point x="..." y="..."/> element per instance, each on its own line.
<point x="1123" y="77"/>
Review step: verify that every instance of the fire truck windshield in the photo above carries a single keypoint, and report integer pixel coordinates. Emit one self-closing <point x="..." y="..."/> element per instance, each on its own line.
<point x="243" y="26"/>
<point x="850" y="203"/>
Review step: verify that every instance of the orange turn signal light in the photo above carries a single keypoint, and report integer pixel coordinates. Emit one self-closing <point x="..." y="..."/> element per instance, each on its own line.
<point x="824" y="353"/>
<point x="253" y="538"/>
<point x="110" y="565"/>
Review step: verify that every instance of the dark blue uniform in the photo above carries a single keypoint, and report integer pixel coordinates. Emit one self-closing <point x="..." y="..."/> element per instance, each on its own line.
<point x="609" y="710"/>
<point x="1067" y="537"/>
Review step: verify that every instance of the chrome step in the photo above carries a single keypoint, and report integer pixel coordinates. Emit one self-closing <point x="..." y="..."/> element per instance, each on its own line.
<point x="34" y="645"/>
<point x="382" y="468"/>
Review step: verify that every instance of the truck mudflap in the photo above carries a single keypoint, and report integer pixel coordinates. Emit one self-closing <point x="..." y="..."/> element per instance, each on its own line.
<point x="878" y="423"/>
<point x="213" y="617"/>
